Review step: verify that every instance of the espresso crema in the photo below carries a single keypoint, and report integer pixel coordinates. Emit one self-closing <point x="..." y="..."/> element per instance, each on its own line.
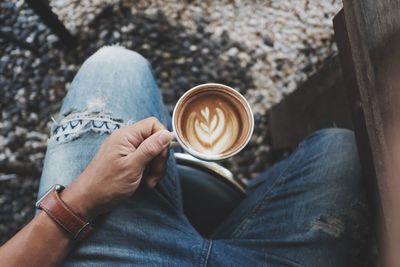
<point x="211" y="123"/>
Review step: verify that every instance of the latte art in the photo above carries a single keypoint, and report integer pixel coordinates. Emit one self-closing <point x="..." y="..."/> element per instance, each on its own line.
<point x="212" y="121"/>
<point x="212" y="130"/>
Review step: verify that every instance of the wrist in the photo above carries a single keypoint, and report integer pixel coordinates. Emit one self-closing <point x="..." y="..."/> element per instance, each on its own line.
<point x="78" y="202"/>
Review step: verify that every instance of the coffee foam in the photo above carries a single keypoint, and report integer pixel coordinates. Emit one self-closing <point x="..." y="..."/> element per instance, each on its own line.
<point x="211" y="123"/>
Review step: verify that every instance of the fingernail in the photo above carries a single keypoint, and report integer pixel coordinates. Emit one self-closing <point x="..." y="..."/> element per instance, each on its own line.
<point x="164" y="138"/>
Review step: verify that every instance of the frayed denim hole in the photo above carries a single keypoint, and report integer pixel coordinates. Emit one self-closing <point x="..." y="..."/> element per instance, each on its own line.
<point x="331" y="225"/>
<point x="75" y="124"/>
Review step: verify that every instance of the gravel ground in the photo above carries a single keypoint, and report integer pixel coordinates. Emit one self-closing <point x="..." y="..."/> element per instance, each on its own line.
<point x="262" y="48"/>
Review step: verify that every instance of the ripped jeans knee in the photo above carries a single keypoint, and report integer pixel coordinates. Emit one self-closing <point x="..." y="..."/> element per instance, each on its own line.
<point x="73" y="125"/>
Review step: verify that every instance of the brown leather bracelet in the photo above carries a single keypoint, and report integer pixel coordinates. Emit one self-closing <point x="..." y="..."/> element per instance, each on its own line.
<point x="59" y="212"/>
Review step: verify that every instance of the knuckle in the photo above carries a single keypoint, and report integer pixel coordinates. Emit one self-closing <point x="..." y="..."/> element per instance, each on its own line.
<point x="153" y="119"/>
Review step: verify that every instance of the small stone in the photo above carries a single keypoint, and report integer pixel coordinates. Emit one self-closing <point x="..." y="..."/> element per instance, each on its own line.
<point x="193" y="48"/>
<point x="268" y="40"/>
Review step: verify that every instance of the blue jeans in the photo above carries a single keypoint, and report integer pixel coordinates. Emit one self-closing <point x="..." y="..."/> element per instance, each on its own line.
<point x="307" y="210"/>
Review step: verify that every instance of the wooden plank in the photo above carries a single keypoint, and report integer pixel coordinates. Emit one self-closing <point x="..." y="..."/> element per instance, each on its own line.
<point x="360" y="128"/>
<point x="318" y="103"/>
<point x="374" y="38"/>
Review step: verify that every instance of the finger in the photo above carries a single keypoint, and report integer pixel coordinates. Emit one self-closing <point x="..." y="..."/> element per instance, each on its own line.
<point x="150" y="148"/>
<point x="139" y="131"/>
<point x="157" y="168"/>
<point x="154" y="179"/>
<point x="125" y="147"/>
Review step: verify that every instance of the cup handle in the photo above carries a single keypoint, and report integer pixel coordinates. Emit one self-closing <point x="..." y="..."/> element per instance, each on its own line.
<point x="174" y="140"/>
<point x="173" y="136"/>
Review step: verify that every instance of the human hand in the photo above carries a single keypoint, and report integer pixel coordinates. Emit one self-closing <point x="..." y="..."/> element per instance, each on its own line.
<point x="128" y="156"/>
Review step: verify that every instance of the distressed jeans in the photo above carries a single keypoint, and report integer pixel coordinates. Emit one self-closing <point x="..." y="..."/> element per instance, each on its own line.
<point x="307" y="210"/>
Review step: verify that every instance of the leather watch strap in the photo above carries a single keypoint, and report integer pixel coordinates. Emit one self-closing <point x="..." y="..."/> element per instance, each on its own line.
<point x="64" y="216"/>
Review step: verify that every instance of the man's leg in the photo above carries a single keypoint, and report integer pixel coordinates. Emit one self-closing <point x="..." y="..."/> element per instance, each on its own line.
<point x="115" y="87"/>
<point x="308" y="210"/>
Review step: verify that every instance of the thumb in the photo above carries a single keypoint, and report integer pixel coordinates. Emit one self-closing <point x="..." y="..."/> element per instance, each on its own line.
<point x="151" y="147"/>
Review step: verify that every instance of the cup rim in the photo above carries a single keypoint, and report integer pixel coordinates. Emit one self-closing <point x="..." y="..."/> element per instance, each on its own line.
<point x="208" y="157"/>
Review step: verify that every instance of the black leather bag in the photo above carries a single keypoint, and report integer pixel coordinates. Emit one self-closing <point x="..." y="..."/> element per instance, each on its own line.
<point x="210" y="192"/>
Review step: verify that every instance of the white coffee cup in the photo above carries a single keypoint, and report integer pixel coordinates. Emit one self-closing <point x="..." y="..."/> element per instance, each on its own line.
<point x="212" y="122"/>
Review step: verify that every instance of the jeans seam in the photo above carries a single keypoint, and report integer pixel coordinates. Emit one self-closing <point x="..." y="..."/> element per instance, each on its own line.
<point x="207" y="250"/>
<point x="266" y="197"/>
